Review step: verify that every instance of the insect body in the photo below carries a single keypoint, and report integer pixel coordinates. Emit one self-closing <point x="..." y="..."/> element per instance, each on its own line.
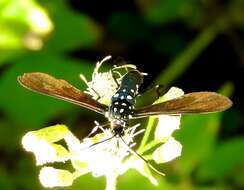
<point x="122" y="102"/>
<point x="122" y="109"/>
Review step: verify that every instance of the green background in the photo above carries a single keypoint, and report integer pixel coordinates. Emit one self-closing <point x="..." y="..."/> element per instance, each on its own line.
<point x="194" y="45"/>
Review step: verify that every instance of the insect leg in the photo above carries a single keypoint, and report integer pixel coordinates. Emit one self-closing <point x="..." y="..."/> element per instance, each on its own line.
<point x="141" y="157"/>
<point x="114" y="72"/>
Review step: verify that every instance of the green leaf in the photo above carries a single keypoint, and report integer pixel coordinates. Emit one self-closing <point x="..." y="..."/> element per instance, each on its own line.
<point x="236" y="12"/>
<point x="30" y="109"/>
<point x="211" y="188"/>
<point x="143" y="169"/>
<point x="227" y="158"/>
<point x="71" y="29"/>
<point x="9" y="138"/>
<point x="22" y="24"/>
<point x="133" y="180"/>
<point x="166" y="11"/>
<point x="87" y="182"/>
<point x="8" y="56"/>
<point x="6" y="181"/>
<point x="168" y="43"/>
<point x="26" y="175"/>
<point x="163" y="11"/>
<point x="198" y="135"/>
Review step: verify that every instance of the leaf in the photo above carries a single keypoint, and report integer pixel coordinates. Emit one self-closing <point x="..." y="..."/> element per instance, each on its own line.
<point x="227" y="158"/>
<point x="197" y="135"/>
<point x="23" y="25"/>
<point x="211" y="188"/>
<point x="143" y="169"/>
<point x="236" y="12"/>
<point x="9" y="139"/>
<point x="71" y="29"/>
<point x="6" y="181"/>
<point x="167" y="11"/>
<point x="87" y="182"/>
<point x="132" y="180"/>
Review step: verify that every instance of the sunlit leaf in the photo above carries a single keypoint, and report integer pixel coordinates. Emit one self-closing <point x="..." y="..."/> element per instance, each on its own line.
<point x="23" y="25"/>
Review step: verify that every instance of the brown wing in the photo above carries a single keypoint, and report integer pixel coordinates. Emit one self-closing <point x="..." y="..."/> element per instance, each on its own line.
<point x="61" y="89"/>
<point x="196" y="102"/>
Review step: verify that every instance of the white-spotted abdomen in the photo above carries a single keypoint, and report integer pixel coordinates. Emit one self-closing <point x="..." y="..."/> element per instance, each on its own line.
<point x="122" y="103"/>
<point x="120" y="110"/>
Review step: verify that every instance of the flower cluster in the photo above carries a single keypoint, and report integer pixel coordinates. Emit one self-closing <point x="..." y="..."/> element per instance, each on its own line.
<point x="103" y="154"/>
<point x="104" y="84"/>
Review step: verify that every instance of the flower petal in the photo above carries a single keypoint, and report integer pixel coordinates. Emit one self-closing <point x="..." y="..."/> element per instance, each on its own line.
<point x="167" y="124"/>
<point x="44" y="151"/>
<point x="50" y="134"/>
<point x="168" y="151"/>
<point x="51" y="177"/>
<point x="173" y="93"/>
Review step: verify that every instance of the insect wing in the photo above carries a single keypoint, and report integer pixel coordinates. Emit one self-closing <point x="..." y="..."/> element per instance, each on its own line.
<point x="61" y="89"/>
<point x="192" y="103"/>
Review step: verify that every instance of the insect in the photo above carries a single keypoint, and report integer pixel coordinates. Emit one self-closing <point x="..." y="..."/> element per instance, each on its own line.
<point x="122" y="109"/>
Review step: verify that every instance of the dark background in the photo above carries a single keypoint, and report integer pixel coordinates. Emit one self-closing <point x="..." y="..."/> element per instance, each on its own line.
<point x="194" y="45"/>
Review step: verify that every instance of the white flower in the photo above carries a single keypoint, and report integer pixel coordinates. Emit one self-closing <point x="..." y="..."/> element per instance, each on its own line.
<point x="103" y="84"/>
<point x="106" y="158"/>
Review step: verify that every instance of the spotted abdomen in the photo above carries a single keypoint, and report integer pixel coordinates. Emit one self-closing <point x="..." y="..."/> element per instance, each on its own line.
<point x="121" y="110"/>
<point x="122" y="103"/>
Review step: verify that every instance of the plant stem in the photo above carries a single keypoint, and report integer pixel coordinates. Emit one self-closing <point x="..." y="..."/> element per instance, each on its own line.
<point x="111" y="181"/>
<point x="148" y="146"/>
<point x="145" y="138"/>
<point x="187" y="57"/>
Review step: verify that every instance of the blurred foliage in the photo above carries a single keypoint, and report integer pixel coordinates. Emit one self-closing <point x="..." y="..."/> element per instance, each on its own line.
<point x="47" y="36"/>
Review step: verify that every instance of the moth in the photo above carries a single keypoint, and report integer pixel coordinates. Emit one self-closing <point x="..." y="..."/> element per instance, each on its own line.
<point x="122" y="110"/>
